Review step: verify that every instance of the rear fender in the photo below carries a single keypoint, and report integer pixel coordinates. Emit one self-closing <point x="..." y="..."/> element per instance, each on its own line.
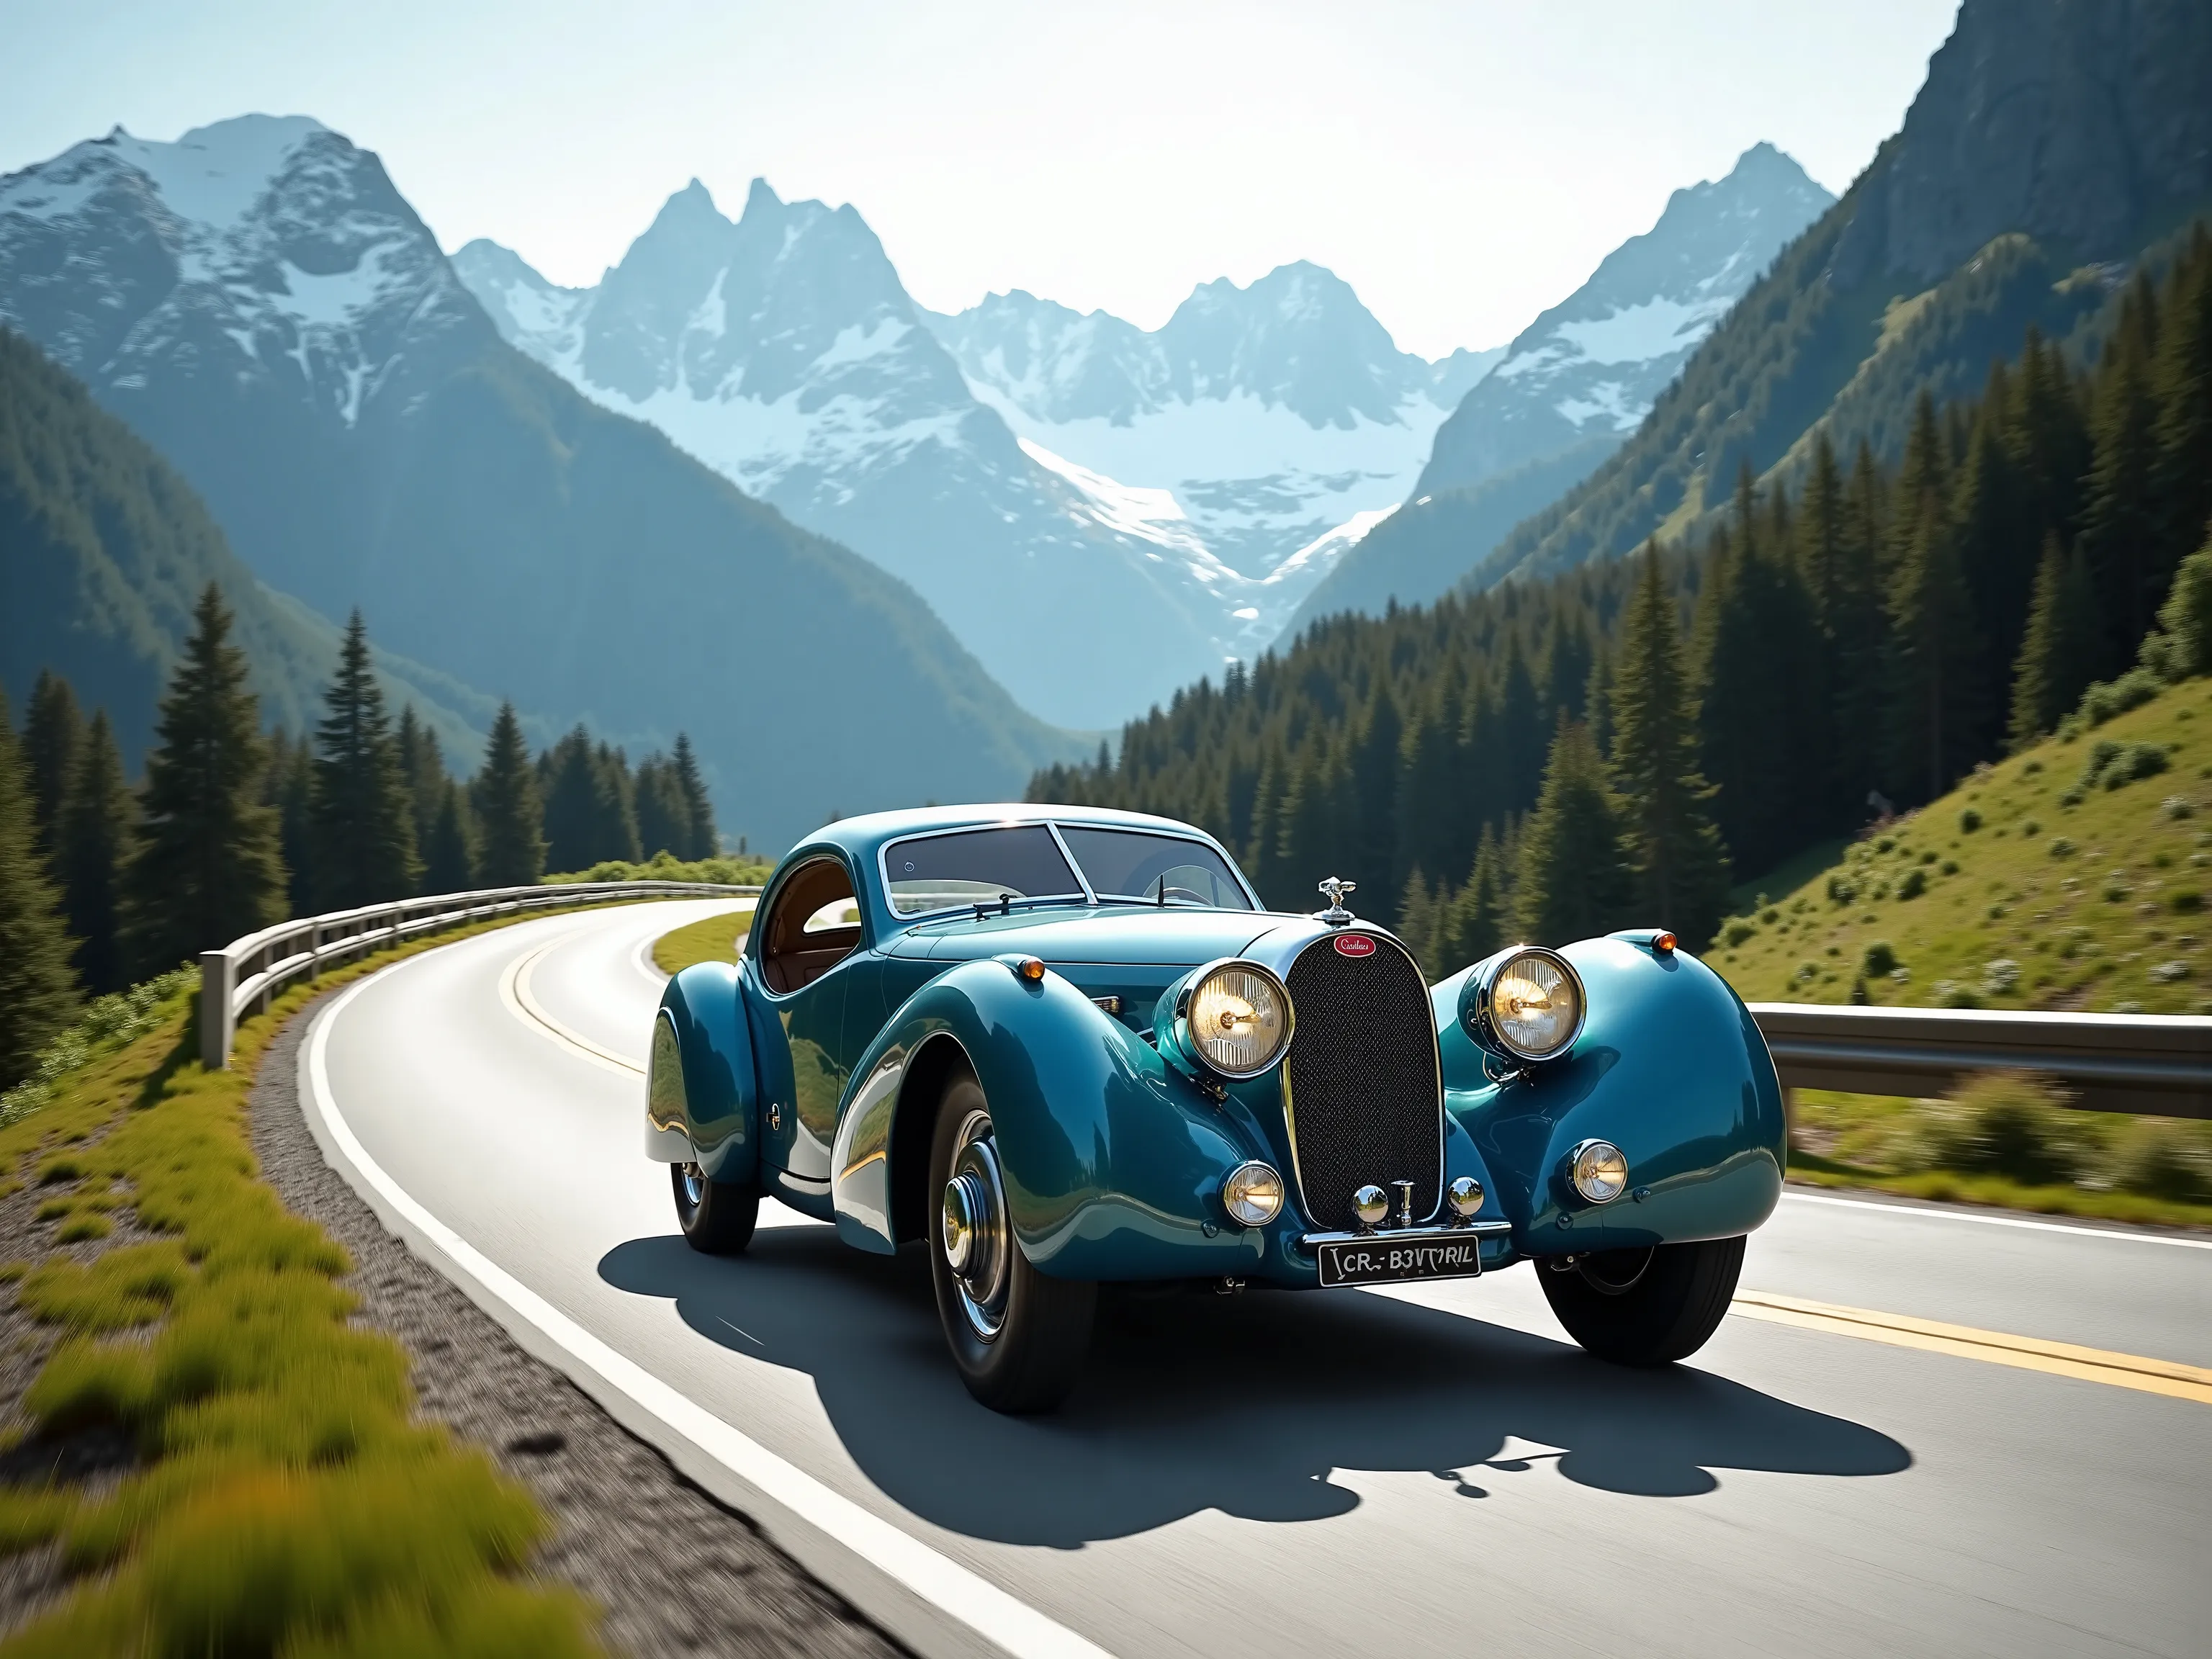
<point x="702" y="1089"/>
<point x="1113" y="1163"/>
<point x="1670" y="1067"/>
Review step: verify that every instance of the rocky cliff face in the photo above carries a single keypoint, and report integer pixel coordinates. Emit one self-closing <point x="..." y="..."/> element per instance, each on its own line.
<point x="2077" y="122"/>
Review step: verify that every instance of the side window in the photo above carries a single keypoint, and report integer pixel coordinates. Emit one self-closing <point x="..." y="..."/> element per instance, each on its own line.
<point x="814" y="925"/>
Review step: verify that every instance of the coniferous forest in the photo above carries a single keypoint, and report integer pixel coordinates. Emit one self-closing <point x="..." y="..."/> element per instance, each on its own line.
<point x="1616" y="744"/>
<point x="232" y="828"/>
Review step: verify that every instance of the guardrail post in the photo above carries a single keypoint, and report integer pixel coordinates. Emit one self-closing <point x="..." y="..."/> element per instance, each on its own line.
<point x="217" y="1026"/>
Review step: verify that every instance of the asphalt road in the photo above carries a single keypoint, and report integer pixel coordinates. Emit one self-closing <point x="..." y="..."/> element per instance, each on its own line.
<point x="1349" y="1473"/>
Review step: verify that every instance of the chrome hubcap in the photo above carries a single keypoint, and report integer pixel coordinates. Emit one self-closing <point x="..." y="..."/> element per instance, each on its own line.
<point x="695" y="1185"/>
<point x="972" y="1229"/>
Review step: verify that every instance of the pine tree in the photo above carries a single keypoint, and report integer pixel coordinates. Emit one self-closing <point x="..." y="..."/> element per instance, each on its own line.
<point x="94" y="834"/>
<point x="1521" y="729"/>
<point x="664" y="818"/>
<point x="1856" y="627"/>
<point x="1681" y="868"/>
<point x="362" y="825"/>
<point x="705" y="842"/>
<point x="1575" y="876"/>
<point x="203" y="867"/>
<point x="447" y="860"/>
<point x="1471" y="926"/>
<point x="513" y="852"/>
<point x="1996" y="540"/>
<point x="1417" y="921"/>
<point x="1935" y="650"/>
<point x="2120" y="530"/>
<point x="38" y="994"/>
<point x="2182" y="469"/>
<point x="584" y="814"/>
<point x="2187" y="616"/>
<point x="53" y="732"/>
<point x="2063" y="648"/>
<point x="422" y="769"/>
<point x="288" y="786"/>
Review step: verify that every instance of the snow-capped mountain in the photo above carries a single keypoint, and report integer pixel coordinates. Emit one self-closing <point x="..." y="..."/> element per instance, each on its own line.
<point x="261" y="305"/>
<point x="1277" y="423"/>
<point x="1591" y="366"/>
<point x="1164" y="500"/>
<point x="268" y="232"/>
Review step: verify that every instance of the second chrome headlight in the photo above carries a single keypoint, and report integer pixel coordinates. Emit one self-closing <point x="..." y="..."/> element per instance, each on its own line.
<point x="1529" y="1007"/>
<point x="1239" y="1020"/>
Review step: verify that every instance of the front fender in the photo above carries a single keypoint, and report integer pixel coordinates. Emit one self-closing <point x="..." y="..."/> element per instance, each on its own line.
<point x="1670" y="1067"/>
<point x="702" y="1084"/>
<point x="1113" y="1162"/>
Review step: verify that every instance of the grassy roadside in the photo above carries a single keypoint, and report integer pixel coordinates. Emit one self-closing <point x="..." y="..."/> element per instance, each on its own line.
<point x="279" y="1495"/>
<point x="714" y="939"/>
<point x="2010" y="1143"/>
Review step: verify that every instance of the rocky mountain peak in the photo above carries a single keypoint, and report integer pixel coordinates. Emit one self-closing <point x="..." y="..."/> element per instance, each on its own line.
<point x="2072" y="121"/>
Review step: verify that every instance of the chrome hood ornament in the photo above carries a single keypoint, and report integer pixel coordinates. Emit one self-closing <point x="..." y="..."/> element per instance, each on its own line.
<point x="1333" y="889"/>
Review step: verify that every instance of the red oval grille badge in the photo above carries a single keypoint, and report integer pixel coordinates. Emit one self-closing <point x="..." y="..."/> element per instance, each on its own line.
<point x="1354" y="945"/>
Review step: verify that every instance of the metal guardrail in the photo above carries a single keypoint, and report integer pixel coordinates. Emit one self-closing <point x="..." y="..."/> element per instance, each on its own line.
<point x="247" y="974"/>
<point x="2160" y="1064"/>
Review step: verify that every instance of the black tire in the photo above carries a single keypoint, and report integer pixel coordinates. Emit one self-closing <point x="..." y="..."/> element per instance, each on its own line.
<point x="1648" y="1307"/>
<point x="717" y="1218"/>
<point x="1020" y="1345"/>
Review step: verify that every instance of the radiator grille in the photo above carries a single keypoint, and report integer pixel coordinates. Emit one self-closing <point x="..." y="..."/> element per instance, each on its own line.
<point x="1365" y="1099"/>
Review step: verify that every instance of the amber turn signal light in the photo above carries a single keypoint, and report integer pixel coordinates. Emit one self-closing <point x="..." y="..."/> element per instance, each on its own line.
<point x="1662" y="941"/>
<point x="1030" y="967"/>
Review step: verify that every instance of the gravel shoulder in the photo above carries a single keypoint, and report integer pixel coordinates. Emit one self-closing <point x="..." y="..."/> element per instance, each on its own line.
<point x="676" y="1571"/>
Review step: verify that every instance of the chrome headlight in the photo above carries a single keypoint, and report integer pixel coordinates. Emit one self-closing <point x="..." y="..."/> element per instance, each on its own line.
<point x="1238" y="1017"/>
<point x="1529" y="1005"/>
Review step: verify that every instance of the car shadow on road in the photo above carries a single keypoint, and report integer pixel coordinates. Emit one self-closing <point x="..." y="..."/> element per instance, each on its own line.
<point x="1246" y="1404"/>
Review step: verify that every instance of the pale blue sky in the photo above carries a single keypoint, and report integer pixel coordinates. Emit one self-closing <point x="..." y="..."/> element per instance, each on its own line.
<point x="1462" y="165"/>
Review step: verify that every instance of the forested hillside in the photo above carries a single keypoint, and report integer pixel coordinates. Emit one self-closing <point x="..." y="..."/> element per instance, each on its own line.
<point x="1827" y="655"/>
<point x="104" y="548"/>
<point x="2050" y="141"/>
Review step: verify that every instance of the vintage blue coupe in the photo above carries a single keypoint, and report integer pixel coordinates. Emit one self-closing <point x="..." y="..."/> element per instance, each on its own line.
<point x="1063" y="1047"/>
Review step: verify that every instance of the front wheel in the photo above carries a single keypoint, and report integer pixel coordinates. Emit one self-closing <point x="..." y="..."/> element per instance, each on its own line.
<point x="1018" y="1337"/>
<point x="1647" y="1307"/>
<point x="717" y="1218"/>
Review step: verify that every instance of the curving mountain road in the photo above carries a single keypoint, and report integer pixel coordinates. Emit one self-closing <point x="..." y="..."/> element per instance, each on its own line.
<point x="1924" y="1432"/>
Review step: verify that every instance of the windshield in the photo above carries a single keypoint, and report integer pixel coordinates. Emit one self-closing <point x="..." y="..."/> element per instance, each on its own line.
<point x="1163" y="869"/>
<point x="977" y="866"/>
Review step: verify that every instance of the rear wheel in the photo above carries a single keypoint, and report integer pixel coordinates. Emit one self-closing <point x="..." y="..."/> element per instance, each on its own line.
<point x="717" y="1218"/>
<point x="1018" y="1337"/>
<point x="1647" y="1307"/>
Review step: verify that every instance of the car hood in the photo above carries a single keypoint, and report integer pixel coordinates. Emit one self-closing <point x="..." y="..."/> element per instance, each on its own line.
<point x="1127" y="933"/>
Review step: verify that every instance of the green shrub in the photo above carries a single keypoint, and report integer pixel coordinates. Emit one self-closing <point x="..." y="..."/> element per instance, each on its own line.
<point x="2005" y="1124"/>
<point x="1881" y="959"/>
<point x="665" y="866"/>
<point x="1969" y="820"/>
<point x="1737" y="931"/>
<point x="2164" y="1159"/>
<point x="2107" y="700"/>
<point x="1914" y="884"/>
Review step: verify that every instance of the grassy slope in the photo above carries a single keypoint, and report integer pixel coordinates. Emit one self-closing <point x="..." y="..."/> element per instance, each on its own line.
<point x="2097" y="904"/>
<point x="284" y="1498"/>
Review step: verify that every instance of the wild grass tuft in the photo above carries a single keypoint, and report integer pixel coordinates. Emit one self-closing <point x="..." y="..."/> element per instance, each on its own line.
<point x="285" y="1498"/>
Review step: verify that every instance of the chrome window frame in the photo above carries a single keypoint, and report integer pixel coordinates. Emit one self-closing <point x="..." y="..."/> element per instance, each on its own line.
<point x="1052" y="826"/>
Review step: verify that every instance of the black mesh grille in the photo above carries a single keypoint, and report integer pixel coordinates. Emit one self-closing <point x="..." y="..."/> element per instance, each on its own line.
<point x="1365" y="1100"/>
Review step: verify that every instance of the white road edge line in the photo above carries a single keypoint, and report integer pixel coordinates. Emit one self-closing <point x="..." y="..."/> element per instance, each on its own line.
<point x="974" y="1601"/>
<point x="1931" y="1214"/>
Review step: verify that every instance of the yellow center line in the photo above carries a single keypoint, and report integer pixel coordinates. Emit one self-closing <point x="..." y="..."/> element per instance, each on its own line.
<point x="2119" y="1370"/>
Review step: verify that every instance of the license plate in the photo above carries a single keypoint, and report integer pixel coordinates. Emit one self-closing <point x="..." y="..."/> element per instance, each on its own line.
<point x="1383" y="1260"/>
